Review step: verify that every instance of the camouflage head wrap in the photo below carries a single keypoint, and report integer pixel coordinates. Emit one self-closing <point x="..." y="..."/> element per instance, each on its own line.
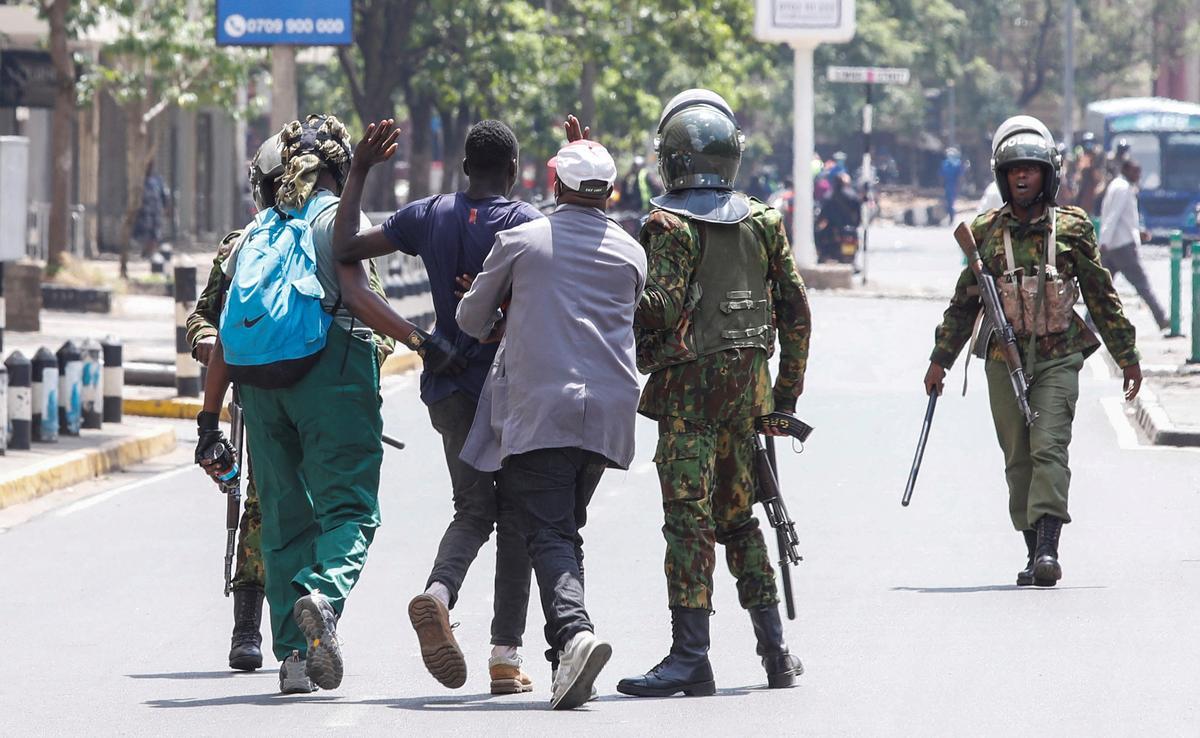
<point x="321" y="141"/>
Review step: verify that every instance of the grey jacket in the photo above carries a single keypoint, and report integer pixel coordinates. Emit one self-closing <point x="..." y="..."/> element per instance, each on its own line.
<point x="564" y="375"/>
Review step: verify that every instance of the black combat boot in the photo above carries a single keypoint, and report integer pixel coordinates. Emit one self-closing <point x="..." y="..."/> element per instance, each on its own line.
<point x="1025" y="576"/>
<point x="782" y="667"/>
<point x="1046" y="569"/>
<point x="245" y="653"/>
<point x="686" y="668"/>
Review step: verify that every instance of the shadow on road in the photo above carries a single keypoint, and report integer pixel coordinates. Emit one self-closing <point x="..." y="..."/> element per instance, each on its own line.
<point x="273" y="698"/>
<point x="987" y="588"/>
<point x="489" y="703"/>
<point x="200" y="675"/>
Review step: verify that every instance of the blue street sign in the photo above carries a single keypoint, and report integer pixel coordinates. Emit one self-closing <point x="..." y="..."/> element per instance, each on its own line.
<point x="291" y="22"/>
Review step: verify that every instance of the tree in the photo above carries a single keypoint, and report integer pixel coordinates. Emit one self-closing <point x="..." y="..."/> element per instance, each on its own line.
<point x="164" y="54"/>
<point x="61" y="168"/>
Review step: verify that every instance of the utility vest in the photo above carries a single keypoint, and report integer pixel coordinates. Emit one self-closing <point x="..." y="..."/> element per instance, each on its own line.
<point x="728" y="304"/>
<point x="1019" y="290"/>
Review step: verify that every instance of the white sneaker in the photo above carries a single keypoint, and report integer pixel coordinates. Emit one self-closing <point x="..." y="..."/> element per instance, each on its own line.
<point x="578" y="666"/>
<point x="292" y="678"/>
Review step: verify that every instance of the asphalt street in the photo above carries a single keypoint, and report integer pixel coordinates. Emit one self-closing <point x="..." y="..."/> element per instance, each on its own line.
<point x="908" y="621"/>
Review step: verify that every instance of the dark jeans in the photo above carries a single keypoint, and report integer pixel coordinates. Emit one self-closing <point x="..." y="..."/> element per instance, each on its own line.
<point x="1124" y="260"/>
<point x="552" y="487"/>
<point x="479" y="505"/>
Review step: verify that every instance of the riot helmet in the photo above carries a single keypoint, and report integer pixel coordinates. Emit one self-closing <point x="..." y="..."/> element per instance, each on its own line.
<point x="264" y="170"/>
<point x="1024" y="138"/>
<point x="698" y="142"/>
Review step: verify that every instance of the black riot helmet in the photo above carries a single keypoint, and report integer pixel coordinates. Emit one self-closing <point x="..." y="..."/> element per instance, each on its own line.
<point x="1026" y="139"/>
<point x="698" y="142"/>
<point x="264" y="170"/>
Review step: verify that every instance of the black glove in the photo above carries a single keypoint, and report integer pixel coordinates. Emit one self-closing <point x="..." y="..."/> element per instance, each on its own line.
<point x="212" y="446"/>
<point x="438" y="354"/>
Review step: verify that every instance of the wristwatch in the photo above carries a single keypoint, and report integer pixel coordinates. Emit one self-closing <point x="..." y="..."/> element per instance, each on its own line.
<point x="415" y="339"/>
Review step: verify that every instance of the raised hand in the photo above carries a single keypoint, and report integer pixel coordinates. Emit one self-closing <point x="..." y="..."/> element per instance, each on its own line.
<point x="575" y="130"/>
<point x="378" y="144"/>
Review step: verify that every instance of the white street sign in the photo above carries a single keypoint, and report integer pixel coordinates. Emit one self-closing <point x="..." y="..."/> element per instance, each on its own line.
<point x="868" y="75"/>
<point x="804" y="21"/>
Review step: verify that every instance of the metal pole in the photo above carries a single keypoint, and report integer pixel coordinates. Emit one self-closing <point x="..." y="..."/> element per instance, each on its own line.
<point x="952" y="125"/>
<point x="802" y="152"/>
<point x="1176" y="278"/>
<point x="1068" y="128"/>
<point x="283" y="86"/>
<point x="868" y="175"/>
<point x="1195" y="308"/>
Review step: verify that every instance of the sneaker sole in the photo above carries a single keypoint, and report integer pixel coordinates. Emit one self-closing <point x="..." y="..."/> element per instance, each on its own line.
<point x="439" y="650"/>
<point x="580" y="691"/>
<point x="510" y="686"/>
<point x="324" y="661"/>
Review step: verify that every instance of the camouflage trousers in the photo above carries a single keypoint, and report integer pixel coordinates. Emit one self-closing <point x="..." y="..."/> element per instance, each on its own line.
<point x="706" y="469"/>
<point x="249" y="571"/>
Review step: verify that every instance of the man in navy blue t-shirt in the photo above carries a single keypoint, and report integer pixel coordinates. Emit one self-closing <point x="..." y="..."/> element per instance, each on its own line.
<point x="452" y="234"/>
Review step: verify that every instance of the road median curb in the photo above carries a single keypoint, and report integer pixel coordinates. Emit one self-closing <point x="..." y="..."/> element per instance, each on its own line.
<point x="73" y="467"/>
<point x="1153" y="419"/>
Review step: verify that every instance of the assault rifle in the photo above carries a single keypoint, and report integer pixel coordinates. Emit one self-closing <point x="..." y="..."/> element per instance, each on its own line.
<point x="994" y="312"/>
<point x="772" y="501"/>
<point x="233" y="487"/>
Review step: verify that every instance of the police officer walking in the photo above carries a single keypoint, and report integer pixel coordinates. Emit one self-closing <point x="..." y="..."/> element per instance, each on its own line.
<point x="721" y="284"/>
<point x="1035" y="247"/>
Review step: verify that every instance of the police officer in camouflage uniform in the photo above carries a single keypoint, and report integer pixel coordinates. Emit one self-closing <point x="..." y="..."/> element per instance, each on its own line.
<point x="721" y="286"/>
<point x="245" y="652"/>
<point x="1026" y="168"/>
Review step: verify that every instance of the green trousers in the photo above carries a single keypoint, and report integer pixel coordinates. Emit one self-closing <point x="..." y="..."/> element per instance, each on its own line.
<point x="706" y="471"/>
<point x="317" y="450"/>
<point x="1035" y="457"/>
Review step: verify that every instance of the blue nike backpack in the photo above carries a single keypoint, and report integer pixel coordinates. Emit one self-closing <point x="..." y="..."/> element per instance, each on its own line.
<point x="273" y="327"/>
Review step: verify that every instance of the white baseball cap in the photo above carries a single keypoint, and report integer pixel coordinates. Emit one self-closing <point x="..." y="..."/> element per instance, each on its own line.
<point x="586" y="167"/>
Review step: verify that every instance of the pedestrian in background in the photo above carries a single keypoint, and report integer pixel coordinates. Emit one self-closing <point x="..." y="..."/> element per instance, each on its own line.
<point x="560" y="402"/>
<point x="156" y="199"/>
<point x="1121" y="233"/>
<point x="951" y="171"/>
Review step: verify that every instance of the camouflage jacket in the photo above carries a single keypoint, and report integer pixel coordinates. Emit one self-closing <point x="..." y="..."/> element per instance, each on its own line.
<point x="1077" y="256"/>
<point x="202" y="323"/>
<point x="727" y="384"/>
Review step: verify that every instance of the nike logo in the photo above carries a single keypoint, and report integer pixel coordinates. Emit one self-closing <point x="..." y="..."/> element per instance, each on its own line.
<point x="250" y="323"/>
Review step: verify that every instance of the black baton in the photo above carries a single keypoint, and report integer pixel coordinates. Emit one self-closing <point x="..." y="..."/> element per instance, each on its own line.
<point x="916" y="467"/>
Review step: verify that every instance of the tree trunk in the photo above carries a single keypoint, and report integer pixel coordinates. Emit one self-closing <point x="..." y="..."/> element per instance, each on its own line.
<point x="454" y="139"/>
<point x="420" y="155"/>
<point x="137" y="142"/>
<point x="587" y="94"/>
<point x="60" y="134"/>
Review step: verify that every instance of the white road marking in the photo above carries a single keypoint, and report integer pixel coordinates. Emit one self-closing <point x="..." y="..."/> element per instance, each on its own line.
<point x="109" y="494"/>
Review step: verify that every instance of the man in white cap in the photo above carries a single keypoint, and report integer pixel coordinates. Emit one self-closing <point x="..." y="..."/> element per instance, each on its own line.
<point x="559" y="404"/>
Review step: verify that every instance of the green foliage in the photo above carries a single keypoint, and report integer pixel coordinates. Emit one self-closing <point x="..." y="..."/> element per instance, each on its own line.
<point x="157" y="54"/>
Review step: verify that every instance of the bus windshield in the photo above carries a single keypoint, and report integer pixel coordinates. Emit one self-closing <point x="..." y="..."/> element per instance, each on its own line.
<point x="1144" y="149"/>
<point x="1181" y="162"/>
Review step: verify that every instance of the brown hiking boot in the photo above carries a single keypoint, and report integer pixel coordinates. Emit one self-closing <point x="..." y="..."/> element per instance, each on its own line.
<point x="507" y="675"/>
<point x="439" y="650"/>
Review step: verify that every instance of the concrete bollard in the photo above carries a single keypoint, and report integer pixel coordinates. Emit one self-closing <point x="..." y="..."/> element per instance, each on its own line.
<point x="70" y="389"/>
<point x="187" y="369"/>
<point x="45" y="396"/>
<point x="90" y="353"/>
<point x="20" y="401"/>
<point x="114" y="379"/>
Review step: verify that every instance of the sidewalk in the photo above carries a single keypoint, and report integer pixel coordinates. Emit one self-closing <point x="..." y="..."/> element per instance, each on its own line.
<point x="47" y="467"/>
<point x="1168" y="407"/>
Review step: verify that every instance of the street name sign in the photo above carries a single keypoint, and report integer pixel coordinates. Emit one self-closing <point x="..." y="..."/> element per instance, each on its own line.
<point x="869" y="75"/>
<point x="285" y="22"/>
